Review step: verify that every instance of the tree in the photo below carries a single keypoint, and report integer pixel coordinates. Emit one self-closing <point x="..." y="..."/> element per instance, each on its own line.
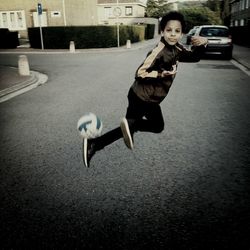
<point x="213" y="5"/>
<point x="199" y="16"/>
<point x="156" y="8"/>
<point x="208" y="13"/>
<point x="222" y="8"/>
<point x="152" y="8"/>
<point x="225" y="12"/>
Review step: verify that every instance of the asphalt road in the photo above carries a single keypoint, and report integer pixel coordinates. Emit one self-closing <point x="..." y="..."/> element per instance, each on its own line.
<point x="186" y="188"/>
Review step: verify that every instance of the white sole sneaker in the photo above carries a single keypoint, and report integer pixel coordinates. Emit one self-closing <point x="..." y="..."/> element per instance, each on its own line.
<point x="85" y="151"/>
<point x="126" y="133"/>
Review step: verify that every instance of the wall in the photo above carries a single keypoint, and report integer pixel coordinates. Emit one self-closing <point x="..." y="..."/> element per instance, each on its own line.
<point x="77" y="12"/>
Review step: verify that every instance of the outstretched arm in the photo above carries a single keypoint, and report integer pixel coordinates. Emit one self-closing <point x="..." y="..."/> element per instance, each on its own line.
<point x="199" y="41"/>
<point x="199" y="44"/>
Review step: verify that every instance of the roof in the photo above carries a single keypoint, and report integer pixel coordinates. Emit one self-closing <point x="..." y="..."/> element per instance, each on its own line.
<point x="213" y="26"/>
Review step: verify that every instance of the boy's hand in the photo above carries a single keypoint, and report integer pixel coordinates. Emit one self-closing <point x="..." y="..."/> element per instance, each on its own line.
<point x="169" y="73"/>
<point x="199" y="40"/>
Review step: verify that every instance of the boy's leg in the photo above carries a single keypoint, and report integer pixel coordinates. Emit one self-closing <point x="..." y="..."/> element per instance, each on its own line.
<point x="137" y="109"/>
<point x="127" y="132"/>
<point x="90" y="146"/>
<point x="154" y="121"/>
<point x="135" y="112"/>
<point x="108" y="138"/>
<point x="132" y="123"/>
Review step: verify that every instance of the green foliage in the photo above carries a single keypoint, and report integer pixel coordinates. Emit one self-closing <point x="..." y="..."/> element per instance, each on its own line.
<point x="9" y="39"/>
<point x="150" y="31"/>
<point x="156" y="9"/>
<point x="225" y="12"/>
<point x="134" y="33"/>
<point x="151" y="9"/>
<point x="85" y="36"/>
<point x="200" y="16"/>
<point x="195" y="15"/>
<point x="213" y="5"/>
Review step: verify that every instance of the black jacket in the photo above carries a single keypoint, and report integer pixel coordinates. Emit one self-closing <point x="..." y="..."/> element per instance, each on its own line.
<point x="149" y="85"/>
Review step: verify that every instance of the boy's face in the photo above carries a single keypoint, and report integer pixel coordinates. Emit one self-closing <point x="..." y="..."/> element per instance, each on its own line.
<point x="172" y="32"/>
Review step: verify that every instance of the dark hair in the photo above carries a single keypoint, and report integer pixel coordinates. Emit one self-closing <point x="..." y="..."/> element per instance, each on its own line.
<point x="172" y="15"/>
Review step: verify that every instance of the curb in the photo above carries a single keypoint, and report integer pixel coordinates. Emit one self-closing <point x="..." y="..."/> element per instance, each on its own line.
<point x="134" y="46"/>
<point x="36" y="80"/>
<point x="240" y="65"/>
<point x="241" y="61"/>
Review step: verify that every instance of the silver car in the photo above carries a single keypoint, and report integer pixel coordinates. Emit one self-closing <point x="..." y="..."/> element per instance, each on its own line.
<point x="219" y="39"/>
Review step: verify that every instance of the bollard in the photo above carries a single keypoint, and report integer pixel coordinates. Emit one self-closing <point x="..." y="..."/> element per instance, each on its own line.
<point x="23" y="66"/>
<point x="128" y="44"/>
<point x="72" y="47"/>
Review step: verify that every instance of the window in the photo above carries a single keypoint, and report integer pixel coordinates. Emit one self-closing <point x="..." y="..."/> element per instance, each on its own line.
<point x="243" y="4"/>
<point x="20" y="19"/>
<point x="13" y="20"/>
<point x="128" y="11"/>
<point x="247" y="4"/>
<point x="55" y="14"/>
<point x="107" y="12"/>
<point x="208" y="32"/>
<point x="4" y="22"/>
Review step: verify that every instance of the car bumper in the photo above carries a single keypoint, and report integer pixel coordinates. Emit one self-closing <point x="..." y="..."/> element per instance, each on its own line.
<point x="218" y="48"/>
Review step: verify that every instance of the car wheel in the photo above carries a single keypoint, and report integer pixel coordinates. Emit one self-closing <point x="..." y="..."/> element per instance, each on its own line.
<point x="228" y="55"/>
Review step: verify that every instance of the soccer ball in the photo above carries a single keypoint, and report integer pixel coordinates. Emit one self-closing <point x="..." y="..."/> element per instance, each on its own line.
<point x="89" y="126"/>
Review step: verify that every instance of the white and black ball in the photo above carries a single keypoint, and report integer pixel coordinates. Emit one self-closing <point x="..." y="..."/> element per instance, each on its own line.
<point x="89" y="126"/>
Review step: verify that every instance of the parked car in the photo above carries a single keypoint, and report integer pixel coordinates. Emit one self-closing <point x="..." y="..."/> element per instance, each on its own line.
<point x="219" y="40"/>
<point x="190" y="34"/>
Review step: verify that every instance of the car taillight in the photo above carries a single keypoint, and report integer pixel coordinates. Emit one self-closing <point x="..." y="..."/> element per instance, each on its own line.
<point x="230" y="41"/>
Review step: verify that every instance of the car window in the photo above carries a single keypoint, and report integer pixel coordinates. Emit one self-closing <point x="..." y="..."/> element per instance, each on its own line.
<point x="193" y="32"/>
<point x="222" y="32"/>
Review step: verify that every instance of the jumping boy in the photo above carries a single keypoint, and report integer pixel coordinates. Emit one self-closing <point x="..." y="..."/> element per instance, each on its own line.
<point x="153" y="80"/>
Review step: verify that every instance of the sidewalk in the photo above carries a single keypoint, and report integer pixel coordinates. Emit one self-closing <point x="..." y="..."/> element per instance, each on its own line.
<point x="242" y="55"/>
<point x="12" y="84"/>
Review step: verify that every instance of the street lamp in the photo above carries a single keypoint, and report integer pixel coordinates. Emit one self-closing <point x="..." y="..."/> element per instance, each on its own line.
<point x="117" y="13"/>
<point x="64" y="14"/>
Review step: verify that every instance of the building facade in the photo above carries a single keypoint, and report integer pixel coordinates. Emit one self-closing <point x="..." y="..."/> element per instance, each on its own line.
<point x="122" y="11"/>
<point x="240" y="13"/>
<point x="19" y="15"/>
<point x="240" y="22"/>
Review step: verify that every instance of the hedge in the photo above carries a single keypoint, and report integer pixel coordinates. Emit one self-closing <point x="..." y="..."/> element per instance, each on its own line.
<point x="240" y="35"/>
<point x="150" y="31"/>
<point x="9" y="39"/>
<point x="88" y="36"/>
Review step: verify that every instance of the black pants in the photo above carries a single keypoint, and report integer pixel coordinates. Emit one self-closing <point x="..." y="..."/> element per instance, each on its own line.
<point x="141" y="116"/>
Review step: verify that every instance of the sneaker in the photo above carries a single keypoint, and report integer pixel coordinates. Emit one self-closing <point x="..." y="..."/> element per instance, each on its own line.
<point x="126" y="133"/>
<point x="88" y="150"/>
